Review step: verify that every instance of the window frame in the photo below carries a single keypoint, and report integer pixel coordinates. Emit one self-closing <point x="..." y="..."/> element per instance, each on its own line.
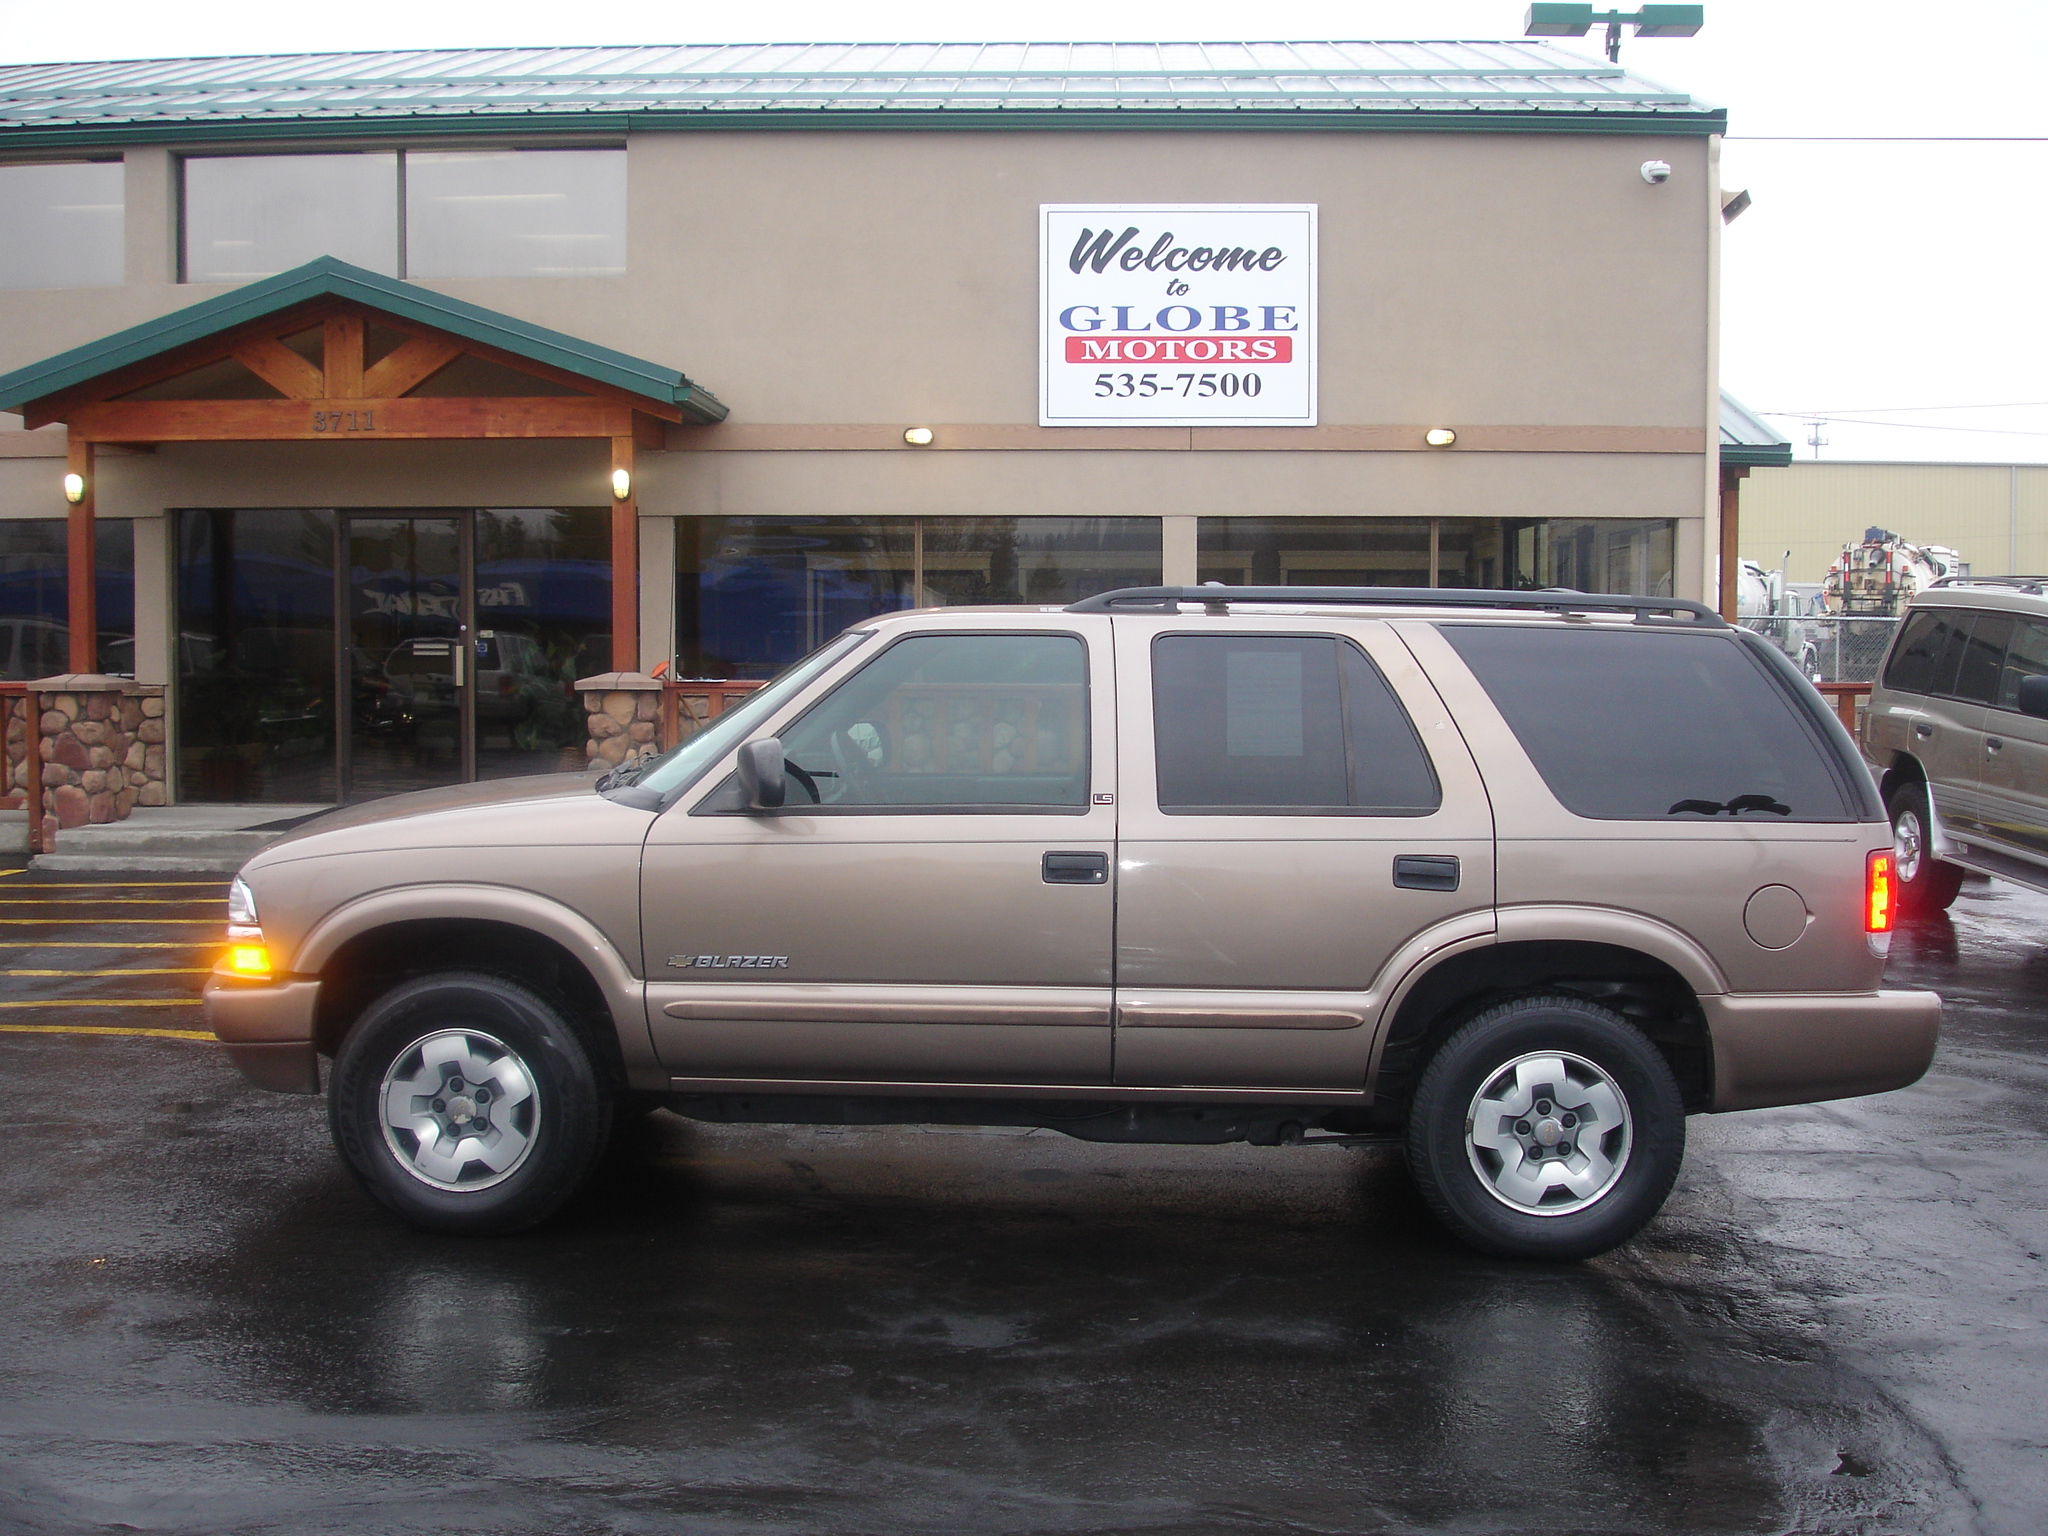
<point x="1377" y="813"/>
<point x="724" y="799"/>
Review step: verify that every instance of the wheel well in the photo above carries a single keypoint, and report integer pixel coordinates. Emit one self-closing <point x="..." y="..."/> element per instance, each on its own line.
<point x="371" y="964"/>
<point x="1904" y="770"/>
<point x="1645" y="991"/>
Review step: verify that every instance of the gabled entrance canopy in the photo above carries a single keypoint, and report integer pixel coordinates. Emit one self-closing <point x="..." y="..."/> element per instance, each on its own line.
<point x="329" y="352"/>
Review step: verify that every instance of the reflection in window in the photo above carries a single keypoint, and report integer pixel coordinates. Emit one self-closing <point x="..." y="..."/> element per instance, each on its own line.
<point x="255" y="656"/>
<point x="972" y="721"/>
<point x="252" y="216"/>
<point x="61" y="225"/>
<point x="516" y="213"/>
<point x="755" y="593"/>
<point x="1588" y="554"/>
<point x="35" y="597"/>
<point x="543" y="619"/>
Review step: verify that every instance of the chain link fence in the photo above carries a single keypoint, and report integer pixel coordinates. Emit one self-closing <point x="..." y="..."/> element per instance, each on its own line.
<point x="1829" y="648"/>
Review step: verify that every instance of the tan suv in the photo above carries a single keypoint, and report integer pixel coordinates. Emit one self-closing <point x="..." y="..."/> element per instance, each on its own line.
<point x="1517" y="880"/>
<point x="1957" y="730"/>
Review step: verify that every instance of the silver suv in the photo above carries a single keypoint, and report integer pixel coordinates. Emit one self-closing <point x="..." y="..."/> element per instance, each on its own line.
<point x="1516" y="881"/>
<point x="1957" y="731"/>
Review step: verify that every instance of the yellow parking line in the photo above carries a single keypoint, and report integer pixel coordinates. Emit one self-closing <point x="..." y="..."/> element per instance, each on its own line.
<point x="106" y="1029"/>
<point x="98" y="944"/>
<point x="157" y="970"/>
<point x="121" y="885"/>
<point x="103" y="922"/>
<point x="109" y="1002"/>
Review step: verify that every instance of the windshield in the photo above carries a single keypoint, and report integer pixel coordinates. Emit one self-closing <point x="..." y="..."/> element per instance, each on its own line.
<point x="676" y="767"/>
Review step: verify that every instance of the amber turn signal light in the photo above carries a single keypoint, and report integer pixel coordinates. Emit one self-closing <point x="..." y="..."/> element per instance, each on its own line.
<point x="251" y="962"/>
<point x="1880" y="892"/>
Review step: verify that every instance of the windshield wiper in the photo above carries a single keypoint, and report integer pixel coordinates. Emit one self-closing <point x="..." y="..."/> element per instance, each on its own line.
<point x="623" y="775"/>
<point x="1734" y="807"/>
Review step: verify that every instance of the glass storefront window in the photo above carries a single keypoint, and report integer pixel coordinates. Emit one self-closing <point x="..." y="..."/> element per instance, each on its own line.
<point x="543" y="619"/>
<point x="251" y="216"/>
<point x="61" y="225"/>
<point x="753" y="594"/>
<point x="35" y="597"/>
<point x="1620" y="555"/>
<point x="255" y="656"/>
<point x="516" y="213"/>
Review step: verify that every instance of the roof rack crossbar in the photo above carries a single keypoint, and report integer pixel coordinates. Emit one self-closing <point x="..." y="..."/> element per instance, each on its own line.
<point x="1648" y="610"/>
<point x="2034" y="583"/>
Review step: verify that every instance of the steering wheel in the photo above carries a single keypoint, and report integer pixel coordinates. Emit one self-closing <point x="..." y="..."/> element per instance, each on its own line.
<point x="855" y="763"/>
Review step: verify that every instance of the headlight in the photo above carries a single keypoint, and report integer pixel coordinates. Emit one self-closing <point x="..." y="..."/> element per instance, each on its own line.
<point x="241" y="905"/>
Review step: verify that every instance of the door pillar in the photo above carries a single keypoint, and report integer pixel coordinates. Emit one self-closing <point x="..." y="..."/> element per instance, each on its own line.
<point x="84" y="621"/>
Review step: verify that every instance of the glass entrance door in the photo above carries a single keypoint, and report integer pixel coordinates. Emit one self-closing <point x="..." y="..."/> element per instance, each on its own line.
<point x="405" y="653"/>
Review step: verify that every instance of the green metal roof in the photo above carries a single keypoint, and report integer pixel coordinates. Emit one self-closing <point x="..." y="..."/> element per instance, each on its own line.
<point x="1519" y="86"/>
<point x="328" y="277"/>
<point x="1747" y="439"/>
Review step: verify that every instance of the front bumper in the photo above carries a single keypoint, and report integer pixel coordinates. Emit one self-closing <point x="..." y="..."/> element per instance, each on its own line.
<point x="267" y="1030"/>
<point x="1801" y="1048"/>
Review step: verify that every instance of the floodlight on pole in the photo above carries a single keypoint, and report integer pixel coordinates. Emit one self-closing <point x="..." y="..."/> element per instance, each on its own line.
<point x="1554" y="20"/>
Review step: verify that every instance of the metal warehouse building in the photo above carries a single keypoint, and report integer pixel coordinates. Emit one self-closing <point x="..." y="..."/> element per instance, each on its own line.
<point x="365" y="404"/>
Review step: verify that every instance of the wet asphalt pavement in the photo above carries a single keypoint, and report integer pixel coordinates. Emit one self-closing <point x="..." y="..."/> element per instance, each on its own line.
<point x="1837" y="1325"/>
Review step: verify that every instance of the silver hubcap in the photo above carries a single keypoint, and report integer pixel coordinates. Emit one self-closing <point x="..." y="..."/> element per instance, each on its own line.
<point x="1909" y="843"/>
<point x="459" y="1110"/>
<point x="1548" y="1134"/>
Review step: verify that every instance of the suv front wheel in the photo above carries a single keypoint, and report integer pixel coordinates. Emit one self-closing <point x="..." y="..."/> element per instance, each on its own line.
<point x="1546" y="1128"/>
<point x="1926" y="884"/>
<point x="466" y="1102"/>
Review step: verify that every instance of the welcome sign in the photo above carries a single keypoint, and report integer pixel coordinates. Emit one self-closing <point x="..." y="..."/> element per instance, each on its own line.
<point x="1177" y="315"/>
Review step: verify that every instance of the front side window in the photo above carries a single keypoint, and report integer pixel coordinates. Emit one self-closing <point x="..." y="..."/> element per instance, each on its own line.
<point x="61" y="225"/>
<point x="1282" y="725"/>
<point x="1914" y="658"/>
<point x="1983" y="656"/>
<point x="1628" y="725"/>
<point x="2026" y="656"/>
<point x="489" y="213"/>
<point x="966" y="722"/>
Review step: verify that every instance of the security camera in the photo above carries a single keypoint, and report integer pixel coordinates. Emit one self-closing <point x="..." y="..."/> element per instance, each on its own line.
<point x="1655" y="171"/>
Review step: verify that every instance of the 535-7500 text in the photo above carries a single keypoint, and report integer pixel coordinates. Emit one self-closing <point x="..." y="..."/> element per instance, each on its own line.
<point x="1144" y="386"/>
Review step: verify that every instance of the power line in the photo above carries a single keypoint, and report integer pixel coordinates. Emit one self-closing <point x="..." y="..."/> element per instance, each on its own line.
<point x="1880" y="410"/>
<point x="1901" y="426"/>
<point x="1884" y="138"/>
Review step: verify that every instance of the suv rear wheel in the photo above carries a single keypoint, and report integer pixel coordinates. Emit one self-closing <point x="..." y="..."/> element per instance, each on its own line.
<point x="466" y="1102"/>
<point x="1926" y="884"/>
<point x="1546" y="1128"/>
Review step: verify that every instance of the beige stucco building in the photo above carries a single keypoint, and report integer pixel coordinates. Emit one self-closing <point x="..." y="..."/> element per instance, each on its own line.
<point x="751" y="273"/>
<point x="1994" y="515"/>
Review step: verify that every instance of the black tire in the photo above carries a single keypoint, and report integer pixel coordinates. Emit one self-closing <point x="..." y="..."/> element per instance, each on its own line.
<point x="1626" y="1172"/>
<point x="545" y="1113"/>
<point x="1931" y="885"/>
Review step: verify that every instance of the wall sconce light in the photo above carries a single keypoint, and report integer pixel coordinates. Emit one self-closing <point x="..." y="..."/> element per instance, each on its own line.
<point x="918" y="437"/>
<point x="1439" y="437"/>
<point x="74" y="489"/>
<point x="622" y="484"/>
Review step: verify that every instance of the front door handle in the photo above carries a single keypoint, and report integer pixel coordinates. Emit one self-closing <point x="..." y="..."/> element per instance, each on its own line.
<point x="1426" y="871"/>
<point x="1076" y="868"/>
<point x="1993" y="743"/>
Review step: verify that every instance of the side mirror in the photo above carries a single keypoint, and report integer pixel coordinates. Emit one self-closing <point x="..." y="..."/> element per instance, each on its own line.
<point x="762" y="785"/>
<point x="2033" y="698"/>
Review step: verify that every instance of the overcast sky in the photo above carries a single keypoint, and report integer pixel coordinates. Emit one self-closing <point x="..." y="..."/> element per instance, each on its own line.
<point x="1900" y="281"/>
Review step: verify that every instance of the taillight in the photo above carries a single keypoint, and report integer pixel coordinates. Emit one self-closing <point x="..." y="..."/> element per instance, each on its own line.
<point x="1880" y="892"/>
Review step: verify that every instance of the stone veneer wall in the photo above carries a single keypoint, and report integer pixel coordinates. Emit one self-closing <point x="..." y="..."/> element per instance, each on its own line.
<point x="101" y="750"/>
<point x="622" y="711"/>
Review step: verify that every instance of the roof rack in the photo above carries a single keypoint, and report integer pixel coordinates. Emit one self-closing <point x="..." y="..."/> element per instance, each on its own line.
<point x="2034" y="584"/>
<point x="1217" y="598"/>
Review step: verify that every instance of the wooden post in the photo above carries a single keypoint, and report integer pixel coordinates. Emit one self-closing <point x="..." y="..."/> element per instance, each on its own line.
<point x="625" y="562"/>
<point x="341" y="356"/>
<point x="84" y="619"/>
<point x="1731" y="535"/>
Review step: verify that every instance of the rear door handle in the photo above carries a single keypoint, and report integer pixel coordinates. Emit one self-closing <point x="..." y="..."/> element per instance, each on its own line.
<point x="1993" y="743"/>
<point x="1426" y="871"/>
<point x="1076" y="868"/>
<point x="1922" y="730"/>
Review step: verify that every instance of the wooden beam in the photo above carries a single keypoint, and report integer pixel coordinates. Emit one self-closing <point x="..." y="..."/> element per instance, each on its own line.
<point x="1731" y="536"/>
<point x="342" y="341"/>
<point x="658" y="408"/>
<point x="625" y="561"/>
<point x="649" y="432"/>
<point x="410" y="365"/>
<point x="82" y="579"/>
<point x="356" y="421"/>
<point x="281" y="368"/>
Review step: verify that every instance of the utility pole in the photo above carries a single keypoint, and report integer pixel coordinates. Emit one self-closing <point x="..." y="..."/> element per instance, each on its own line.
<point x="1814" y="440"/>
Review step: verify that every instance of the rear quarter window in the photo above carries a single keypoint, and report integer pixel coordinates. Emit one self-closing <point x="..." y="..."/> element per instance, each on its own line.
<point x="1634" y="725"/>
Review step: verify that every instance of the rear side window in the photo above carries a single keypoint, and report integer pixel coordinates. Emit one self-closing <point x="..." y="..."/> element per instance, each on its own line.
<point x="1282" y="725"/>
<point x="1983" y="656"/>
<point x="1626" y="725"/>
<point x="1919" y="649"/>
<point x="2025" y="657"/>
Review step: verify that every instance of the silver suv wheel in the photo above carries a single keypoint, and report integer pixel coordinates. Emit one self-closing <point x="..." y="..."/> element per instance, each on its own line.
<point x="1909" y="845"/>
<point x="459" y="1110"/>
<point x="1548" y="1134"/>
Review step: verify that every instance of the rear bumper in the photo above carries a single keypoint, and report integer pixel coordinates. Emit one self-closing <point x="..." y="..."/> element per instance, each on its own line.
<point x="267" y="1031"/>
<point x="1803" y="1048"/>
